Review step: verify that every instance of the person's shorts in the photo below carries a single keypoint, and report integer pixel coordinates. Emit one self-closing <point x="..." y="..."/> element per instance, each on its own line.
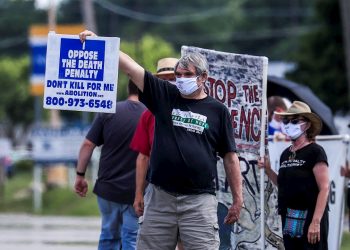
<point x="167" y="216"/>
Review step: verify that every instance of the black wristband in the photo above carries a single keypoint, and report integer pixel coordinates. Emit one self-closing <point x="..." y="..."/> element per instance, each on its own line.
<point x="81" y="173"/>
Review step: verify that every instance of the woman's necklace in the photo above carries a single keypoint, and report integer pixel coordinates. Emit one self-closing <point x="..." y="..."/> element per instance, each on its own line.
<point x="293" y="149"/>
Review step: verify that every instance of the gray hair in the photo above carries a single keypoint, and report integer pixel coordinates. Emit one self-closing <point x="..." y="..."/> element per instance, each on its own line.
<point x="196" y="59"/>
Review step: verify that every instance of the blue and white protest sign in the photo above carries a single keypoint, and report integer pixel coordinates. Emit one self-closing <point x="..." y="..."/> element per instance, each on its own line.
<point x="81" y="76"/>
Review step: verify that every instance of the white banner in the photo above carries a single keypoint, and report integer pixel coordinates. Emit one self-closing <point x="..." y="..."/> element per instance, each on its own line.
<point x="81" y="76"/>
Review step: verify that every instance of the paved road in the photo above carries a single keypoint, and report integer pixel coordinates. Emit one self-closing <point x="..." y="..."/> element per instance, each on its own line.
<point x="30" y="232"/>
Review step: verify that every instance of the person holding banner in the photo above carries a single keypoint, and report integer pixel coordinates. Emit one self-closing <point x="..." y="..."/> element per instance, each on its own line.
<point x="302" y="180"/>
<point x="345" y="170"/>
<point x="115" y="185"/>
<point x="191" y="128"/>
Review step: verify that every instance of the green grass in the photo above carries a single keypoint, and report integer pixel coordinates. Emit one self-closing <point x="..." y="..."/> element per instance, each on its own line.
<point x="17" y="197"/>
<point x="345" y="244"/>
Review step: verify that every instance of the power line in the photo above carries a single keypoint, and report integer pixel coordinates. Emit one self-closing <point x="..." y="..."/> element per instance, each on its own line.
<point x="11" y="42"/>
<point x="212" y="12"/>
<point x="168" y="19"/>
<point x="242" y="36"/>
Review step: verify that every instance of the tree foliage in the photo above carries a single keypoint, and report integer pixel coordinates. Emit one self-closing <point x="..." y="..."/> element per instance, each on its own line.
<point x="320" y="59"/>
<point x="16" y="16"/>
<point x="261" y="27"/>
<point x="147" y="51"/>
<point x="16" y="105"/>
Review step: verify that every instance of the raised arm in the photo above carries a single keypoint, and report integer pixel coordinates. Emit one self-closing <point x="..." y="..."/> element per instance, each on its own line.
<point x="134" y="71"/>
<point x="265" y="163"/>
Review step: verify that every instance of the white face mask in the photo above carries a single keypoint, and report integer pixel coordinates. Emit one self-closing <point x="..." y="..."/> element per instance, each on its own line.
<point x="186" y="85"/>
<point x="293" y="130"/>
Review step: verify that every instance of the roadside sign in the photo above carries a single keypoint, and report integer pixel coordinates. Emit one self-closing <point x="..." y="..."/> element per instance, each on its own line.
<point x="57" y="145"/>
<point x="38" y="44"/>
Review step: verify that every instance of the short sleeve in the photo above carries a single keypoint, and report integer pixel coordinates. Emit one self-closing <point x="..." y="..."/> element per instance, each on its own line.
<point x="95" y="133"/>
<point x="142" y="139"/>
<point x="321" y="155"/>
<point x="227" y="142"/>
<point x="157" y="93"/>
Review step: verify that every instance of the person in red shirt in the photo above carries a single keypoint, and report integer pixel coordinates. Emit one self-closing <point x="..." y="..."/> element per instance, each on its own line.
<point x="143" y="136"/>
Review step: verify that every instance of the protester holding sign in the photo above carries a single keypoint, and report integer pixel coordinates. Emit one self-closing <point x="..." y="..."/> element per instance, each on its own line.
<point x="115" y="185"/>
<point x="191" y="128"/>
<point x="302" y="180"/>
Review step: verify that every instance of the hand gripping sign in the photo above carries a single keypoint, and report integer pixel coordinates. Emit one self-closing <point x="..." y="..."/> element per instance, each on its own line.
<point x="81" y="76"/>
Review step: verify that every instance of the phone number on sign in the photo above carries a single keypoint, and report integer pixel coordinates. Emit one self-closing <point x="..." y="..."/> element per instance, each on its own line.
<point x="78" y="102"/>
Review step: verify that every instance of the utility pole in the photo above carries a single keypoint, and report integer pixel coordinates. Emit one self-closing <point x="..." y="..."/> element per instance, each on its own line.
<point x="345" y="15"/>
<point x="52" y="15"/>
<point x="56" y="173"/>
<point x="87" y="10"/>
<point x="55" y="120"/>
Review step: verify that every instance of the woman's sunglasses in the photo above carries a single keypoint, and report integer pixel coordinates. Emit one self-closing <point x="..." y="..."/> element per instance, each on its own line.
<point x="291" y="120"/>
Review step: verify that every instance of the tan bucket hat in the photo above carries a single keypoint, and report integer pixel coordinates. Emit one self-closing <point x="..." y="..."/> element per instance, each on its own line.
<point x="166" y="66"/>
<point x="302" y="109"/>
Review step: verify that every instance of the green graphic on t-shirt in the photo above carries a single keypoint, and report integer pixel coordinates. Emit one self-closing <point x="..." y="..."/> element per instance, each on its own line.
<point x="191" y="121"/>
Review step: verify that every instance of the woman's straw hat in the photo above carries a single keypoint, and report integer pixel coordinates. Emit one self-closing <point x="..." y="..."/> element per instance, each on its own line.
<point x="166" y="66"/>
<point x="302" y="109"/>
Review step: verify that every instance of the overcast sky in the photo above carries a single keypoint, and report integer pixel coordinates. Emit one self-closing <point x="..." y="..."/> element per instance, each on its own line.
<point x="44" y="4"/>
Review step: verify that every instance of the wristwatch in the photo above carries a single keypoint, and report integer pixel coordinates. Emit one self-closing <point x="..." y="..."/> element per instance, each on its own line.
<point x="81" y="173"/>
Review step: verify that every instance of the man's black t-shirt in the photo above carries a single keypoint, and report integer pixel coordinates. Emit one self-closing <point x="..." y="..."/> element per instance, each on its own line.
<point x="116" y="173"/>
<point x="188" y="135"/>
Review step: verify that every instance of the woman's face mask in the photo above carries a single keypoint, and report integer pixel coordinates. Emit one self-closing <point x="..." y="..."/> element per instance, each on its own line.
<point x="293" y="130"/>
<point x="186" y="85"/>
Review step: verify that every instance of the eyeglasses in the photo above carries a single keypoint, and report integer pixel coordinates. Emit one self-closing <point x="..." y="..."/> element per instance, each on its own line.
<point x="291" y="120"/>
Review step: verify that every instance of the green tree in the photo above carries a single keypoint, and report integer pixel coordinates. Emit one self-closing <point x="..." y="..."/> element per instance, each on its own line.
<point x="16" y="16"/>
<point x="203" y="23"/>
<point x="16" y="105"/>
<point x="260" y="27"/>
<point x="320" y="59"/>
<point x="147" y="51"/>
<point x="272" y="28"/>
